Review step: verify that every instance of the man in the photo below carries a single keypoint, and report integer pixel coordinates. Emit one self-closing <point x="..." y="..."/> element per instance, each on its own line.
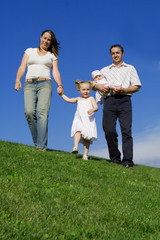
<point x="117" y="105"/>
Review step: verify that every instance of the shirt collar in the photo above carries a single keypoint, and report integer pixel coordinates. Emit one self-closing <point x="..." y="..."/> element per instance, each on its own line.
<point x="122" y="65"/>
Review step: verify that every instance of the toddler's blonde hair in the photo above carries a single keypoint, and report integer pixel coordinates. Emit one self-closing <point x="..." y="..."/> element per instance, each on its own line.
<point x="78" y="83"/>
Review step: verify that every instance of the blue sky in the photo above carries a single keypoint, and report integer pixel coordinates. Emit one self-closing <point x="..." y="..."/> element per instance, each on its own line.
<point x="86" y="29"/>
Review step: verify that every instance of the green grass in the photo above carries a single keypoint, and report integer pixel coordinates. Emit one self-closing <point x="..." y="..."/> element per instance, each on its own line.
<point x="56" y="195"/>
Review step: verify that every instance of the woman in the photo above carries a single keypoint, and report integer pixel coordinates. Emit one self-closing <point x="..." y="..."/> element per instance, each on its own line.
<point x="38" y="85"/>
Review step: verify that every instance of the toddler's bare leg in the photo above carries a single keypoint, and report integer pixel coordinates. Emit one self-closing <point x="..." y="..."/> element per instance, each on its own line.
<point x="77" y="138"/>
<point x="86" y="144"/>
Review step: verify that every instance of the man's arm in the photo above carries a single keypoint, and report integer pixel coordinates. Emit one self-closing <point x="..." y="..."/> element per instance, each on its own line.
<point x="130" y="90"/>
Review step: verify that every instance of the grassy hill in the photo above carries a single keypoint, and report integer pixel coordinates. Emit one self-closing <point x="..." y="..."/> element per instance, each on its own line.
<point x="56" y="195"/>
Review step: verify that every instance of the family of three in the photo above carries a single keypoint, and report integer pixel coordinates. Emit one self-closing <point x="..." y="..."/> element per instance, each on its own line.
<point x="114" y="86"/>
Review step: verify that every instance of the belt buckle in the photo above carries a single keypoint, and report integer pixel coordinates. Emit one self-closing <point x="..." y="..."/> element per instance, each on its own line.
<point x="34" y="80"/>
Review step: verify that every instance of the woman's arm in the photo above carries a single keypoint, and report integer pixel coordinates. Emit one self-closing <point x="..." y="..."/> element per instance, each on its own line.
<point x="69" y="100"/>
<point x="20" y="72"/>
<point x="94" y="105"/>
<point x="57" y="76"/>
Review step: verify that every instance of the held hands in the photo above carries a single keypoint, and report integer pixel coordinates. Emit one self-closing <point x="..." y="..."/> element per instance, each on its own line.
<point x="60" y="90"/>
<point x="17" y="86"/>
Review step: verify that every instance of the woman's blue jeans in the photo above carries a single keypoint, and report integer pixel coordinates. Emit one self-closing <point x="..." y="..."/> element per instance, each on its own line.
<point x="37" y="97"/>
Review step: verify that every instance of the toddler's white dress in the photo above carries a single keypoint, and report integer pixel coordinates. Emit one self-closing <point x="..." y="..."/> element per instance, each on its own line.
<point x="83" y="122"/>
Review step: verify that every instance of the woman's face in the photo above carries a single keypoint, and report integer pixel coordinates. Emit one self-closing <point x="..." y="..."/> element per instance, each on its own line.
<point x="45" y="41"/>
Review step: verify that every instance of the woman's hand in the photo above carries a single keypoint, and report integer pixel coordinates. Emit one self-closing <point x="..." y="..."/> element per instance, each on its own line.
<point x="20" y="72"/>
<point x="60" y="90"/>
<point x="17" y="86"/>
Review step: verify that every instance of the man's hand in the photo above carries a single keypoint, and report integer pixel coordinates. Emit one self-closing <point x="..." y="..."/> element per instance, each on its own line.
<point x="129" y="90"/>
<point x="119" y="89"/>
<point x="101" y="87"/>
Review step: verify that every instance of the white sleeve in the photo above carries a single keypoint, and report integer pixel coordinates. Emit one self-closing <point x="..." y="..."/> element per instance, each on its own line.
<point x="53" y="57"/>
<point x="28" y="51"/>
<point x="134" y="77"/>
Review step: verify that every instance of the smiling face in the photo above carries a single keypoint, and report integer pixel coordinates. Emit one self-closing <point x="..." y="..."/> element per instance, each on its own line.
<point x="84" y="90"/>
<point x="116" y="54"/>
<point x="45" y="41"/>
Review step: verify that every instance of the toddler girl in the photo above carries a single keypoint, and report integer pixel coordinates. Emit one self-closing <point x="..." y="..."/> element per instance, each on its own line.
<point x="84" y="126"/>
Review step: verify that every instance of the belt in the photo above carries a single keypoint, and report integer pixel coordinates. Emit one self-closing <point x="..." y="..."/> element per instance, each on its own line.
<point x="36" y="79"/>
<point x="118" y="96"/>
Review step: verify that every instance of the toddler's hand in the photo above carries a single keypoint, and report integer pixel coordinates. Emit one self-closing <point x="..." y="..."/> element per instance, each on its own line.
<point x="90" y="112"/>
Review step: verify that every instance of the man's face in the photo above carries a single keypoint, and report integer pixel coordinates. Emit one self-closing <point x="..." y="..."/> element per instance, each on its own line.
<point x="116" y="55"/>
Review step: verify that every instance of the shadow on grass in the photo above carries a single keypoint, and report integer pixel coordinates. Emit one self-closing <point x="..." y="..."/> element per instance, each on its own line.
<point x="99" y="159"/>
<point x="94" y="158"/>
<point x="79" y="156"/>
<point x="53" y="150"/>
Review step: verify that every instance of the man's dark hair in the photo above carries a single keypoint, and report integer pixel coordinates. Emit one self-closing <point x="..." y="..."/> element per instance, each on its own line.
<point x="117" y="45"/>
